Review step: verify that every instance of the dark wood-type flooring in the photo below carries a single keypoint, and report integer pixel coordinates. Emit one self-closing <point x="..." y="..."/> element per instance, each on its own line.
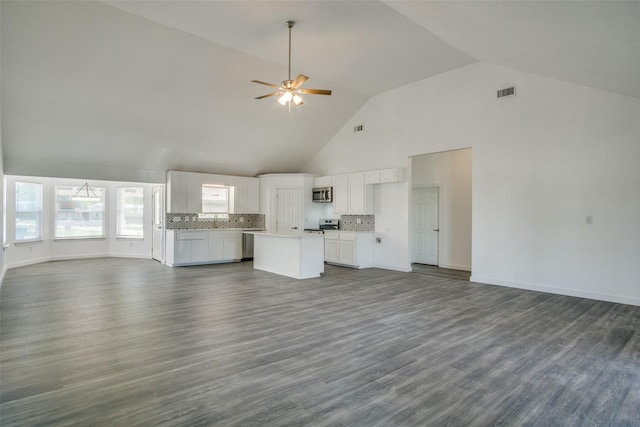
<point x="123" y="342"/>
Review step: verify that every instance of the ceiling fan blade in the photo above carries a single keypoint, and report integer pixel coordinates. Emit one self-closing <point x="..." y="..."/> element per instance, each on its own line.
<point x="315" y="91"/>
<point x="266" y="96"/>
<point x="266" y="84"/>
<point x="298" y="81"/>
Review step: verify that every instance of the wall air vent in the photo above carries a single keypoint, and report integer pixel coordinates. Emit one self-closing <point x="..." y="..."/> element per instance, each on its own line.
<point x="358" y="128"/>
<point x="507" y="92"/>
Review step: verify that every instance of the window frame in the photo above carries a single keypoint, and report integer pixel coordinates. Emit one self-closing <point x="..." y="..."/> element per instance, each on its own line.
<point x="105" y="213"/>
<point x="40" y="237"/>
<point x="227" y="188"/>
<point x="118" y="235"/>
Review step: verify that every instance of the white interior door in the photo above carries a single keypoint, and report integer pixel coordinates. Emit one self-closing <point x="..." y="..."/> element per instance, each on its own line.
<point x="288" y="210"/>
<point x="426" y="227"/>
<point x="157" y="241"/>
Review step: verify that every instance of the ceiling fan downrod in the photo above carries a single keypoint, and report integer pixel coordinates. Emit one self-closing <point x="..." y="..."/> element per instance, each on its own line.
<point x="290" y="24"/>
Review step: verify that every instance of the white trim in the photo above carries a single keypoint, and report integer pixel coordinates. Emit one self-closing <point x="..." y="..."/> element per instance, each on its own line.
<point x="393" y="268"/>
<point x="138" y="256"/>
<point x="4" y="272"/>
<point x="69" y="258"/>
<point x="558" y="291"/>
<point x="456" y="267"/>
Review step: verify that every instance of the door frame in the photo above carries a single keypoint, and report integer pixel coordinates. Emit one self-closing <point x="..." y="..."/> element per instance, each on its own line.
<point x="412" y="219"/>
<point x="162" y="220"/>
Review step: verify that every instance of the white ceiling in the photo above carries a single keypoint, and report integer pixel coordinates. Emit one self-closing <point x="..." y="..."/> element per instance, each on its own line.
<point x="127" y="90"/>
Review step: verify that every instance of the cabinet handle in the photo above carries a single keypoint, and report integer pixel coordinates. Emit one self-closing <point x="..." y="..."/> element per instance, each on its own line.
<point x="436" y="229"/>
<point x="294" y="228"/>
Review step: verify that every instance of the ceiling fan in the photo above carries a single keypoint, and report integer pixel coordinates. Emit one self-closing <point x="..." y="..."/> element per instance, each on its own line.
<point x="289" y="91"/>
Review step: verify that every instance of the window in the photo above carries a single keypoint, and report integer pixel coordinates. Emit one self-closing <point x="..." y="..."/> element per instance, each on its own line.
<point x="28" y="211"/>
<point x="215" y="199"/>
<point x="130" y="207"/>
<point x="78" y="218"/>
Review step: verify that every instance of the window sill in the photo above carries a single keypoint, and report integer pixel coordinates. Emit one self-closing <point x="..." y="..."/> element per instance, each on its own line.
<point x="27" y="242"/>
<point x="66" y="239"/>
<point x="129" y="238"/>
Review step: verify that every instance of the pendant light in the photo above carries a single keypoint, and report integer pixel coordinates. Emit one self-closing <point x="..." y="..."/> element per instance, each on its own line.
<point x="85" y="193"/>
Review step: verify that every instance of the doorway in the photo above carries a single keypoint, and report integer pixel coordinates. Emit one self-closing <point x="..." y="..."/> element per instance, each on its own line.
<point x="288" y="210"/>
<point x="157" y="230"/>
<point x="440" y="209"/>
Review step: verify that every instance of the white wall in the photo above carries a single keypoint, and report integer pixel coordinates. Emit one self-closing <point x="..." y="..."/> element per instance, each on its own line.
<point x="49" y="249"/>
<point x="542" y="161"/>
<point x="451" y="172"/>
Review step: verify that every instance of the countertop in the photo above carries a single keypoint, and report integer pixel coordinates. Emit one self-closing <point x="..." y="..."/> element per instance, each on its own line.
<point x="214" y="229"/>
<point x="292" y="235"/>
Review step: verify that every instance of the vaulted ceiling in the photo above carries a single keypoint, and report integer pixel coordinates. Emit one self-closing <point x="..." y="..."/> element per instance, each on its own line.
<point x="127" y="90"/>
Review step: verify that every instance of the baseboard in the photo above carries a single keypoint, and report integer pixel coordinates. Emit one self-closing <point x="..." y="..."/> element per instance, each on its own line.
<point x="2" y="274"/>
<point x="558" y="291"/>
<point x="69" y="258"/>
<point x="393" y="268"/>
<point x="28" y="262"/>
<point x="456" y="267"/>
<point x="139" y="256"/>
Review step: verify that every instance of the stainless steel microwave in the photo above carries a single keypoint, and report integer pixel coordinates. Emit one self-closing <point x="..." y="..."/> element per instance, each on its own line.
<point x="323" y="194"/>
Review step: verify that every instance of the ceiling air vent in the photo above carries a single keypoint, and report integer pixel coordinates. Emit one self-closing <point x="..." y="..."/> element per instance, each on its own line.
<point x="507" y="92"/>
<point x="358" y="128"/>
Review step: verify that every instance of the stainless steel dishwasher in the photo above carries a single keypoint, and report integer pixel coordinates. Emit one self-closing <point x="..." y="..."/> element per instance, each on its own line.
<point x="247" y="246"/>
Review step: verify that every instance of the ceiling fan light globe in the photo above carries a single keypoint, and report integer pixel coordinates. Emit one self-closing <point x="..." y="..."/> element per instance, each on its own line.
<point x="286" y="97"/>
<point x="296" y="99"/>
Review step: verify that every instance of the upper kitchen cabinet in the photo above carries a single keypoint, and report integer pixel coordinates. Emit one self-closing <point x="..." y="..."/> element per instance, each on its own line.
<point x="384" y="176"/>
<point x="177" y="189"/>
<point x="246" y="194"/>
<point x="185" y="192"/>
<point x="323" y="181"/>
<point x="351" y="195"/>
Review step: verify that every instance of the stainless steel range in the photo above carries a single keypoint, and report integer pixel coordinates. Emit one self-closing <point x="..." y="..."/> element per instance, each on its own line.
<point x="324" y="224"/>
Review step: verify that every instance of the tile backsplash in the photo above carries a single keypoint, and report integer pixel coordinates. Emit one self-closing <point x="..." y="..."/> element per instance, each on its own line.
<point x="190" y="221"/>
<point x="358" y="222"/>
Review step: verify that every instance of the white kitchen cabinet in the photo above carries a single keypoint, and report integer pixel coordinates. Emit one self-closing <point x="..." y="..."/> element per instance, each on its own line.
<point x="194" y="192"/>
<point x="332" y="247"/>
<point x="246" y="195"/>
<point x="341" y="194"/>
<point x="188" y="247"/>
<point x="384" y="176"/>
<point x="349" y="248"/>
<point x="177" y="189"/>
<point x="225" y="245"/>
<point x="184" y="192"/>
<point x="323" y="181"/>
<point x="182" y="252"/>
<point x="351" y="195"/>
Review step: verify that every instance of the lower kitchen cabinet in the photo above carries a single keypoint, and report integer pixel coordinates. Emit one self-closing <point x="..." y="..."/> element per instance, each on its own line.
<point x="349" y="248"/>
<point x="190" y="247"/>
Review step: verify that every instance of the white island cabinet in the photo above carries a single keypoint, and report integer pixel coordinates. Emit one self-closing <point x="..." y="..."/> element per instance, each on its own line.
<point x="297" y="255"/>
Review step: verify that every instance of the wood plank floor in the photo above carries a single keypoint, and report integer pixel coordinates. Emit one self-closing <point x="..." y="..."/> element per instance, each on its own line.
<point x="123" y="342"/>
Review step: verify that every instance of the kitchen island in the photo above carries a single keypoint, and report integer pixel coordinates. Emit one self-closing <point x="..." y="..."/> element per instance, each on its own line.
<point x="297" y="255"/>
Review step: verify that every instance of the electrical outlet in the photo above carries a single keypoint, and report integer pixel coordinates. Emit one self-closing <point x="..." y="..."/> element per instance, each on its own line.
<point x="241" y="219"/>
<point x="358" y="220"/>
